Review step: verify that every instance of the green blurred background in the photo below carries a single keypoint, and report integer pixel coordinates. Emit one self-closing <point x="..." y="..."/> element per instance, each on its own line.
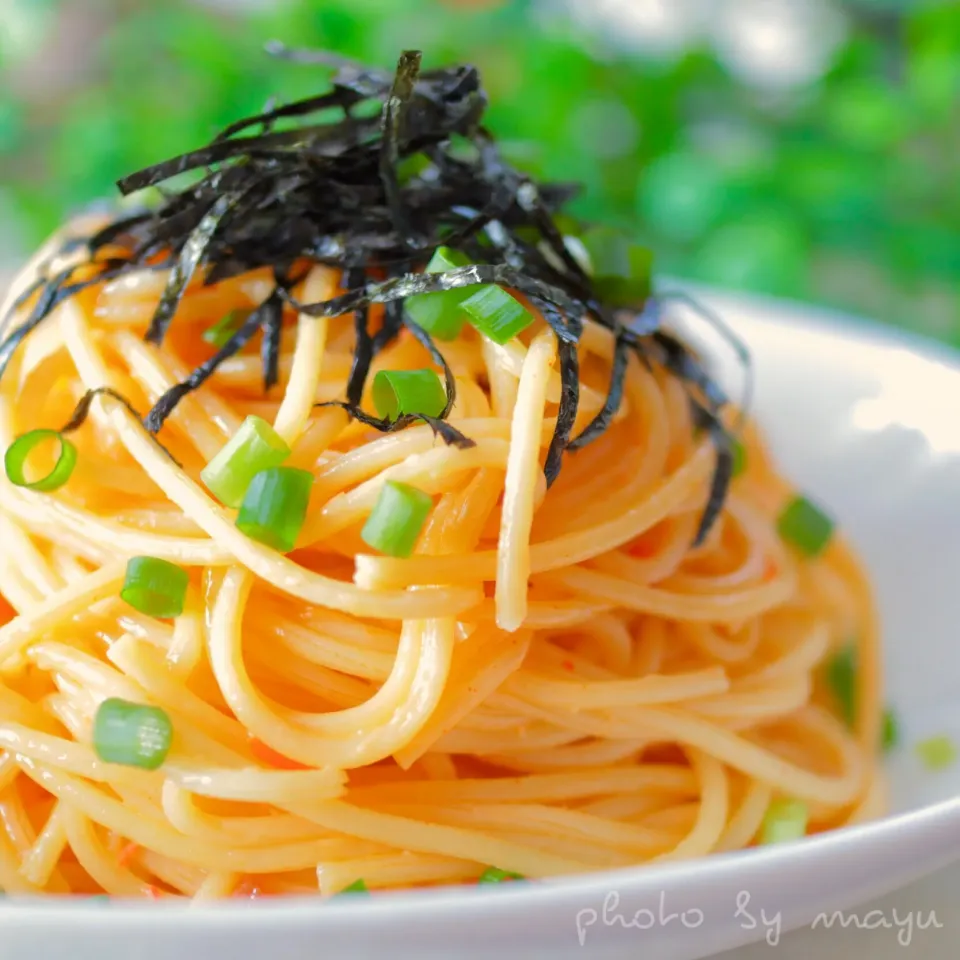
<point x="805" y="148"/>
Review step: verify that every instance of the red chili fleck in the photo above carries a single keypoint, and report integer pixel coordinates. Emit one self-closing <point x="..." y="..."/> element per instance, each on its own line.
<point x="567" y="665"/>
<point x="124" y="856"/>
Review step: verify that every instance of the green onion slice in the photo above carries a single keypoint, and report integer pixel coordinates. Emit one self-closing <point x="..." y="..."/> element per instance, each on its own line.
<point x="890" y="731"/>
<point x="396" y="392"/>
<point x="358" y="886"/>
<point x="804" y="525"/>
<point x="496" y="314"/>
<point x="739" y="458"/>
<point x="275" y="506"/>
<point x="496" y="875"/>
<point x="218" y="334"/>
<point x="18" y="453"/>
<point x="254" y="447"/>
<point x="394" y="525"/>
<point x="841" y="674"/>
<point x="937" y="753"/>
<point x="132" y="734"/>
<point x="440" y="313"/>
<point x="155" y="587"/>
<point x="621" y="270"/>
<point x="784" y="820"/>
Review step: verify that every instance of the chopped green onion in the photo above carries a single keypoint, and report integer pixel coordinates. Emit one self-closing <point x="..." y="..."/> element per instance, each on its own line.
<point x="497" y="314"/>
<point x="132" y="734"/>
<point x="739" y="457"/>
<point x="358" y="886"/>
<point x="275" y="506"/>
<point x="218" y="334"/>
<point x="440" y="313"/>
<point x="784" y="820"/>
<point x="394" y="525"/>
<point x="842" y="678"/>
<point x="937" y="753"/>
<point x="155" y="587"/>
<point x="409" y="168"/>
<point x="496" y="875"/>
<point x="254" y="447"/>
<point x="396" y="392"/>
<point x="621" y="270"/>
<point x="806" y="526"/>
<point x="446" y="258"/>
<point x="15" y="460"/>
<point x="890" y="731"/>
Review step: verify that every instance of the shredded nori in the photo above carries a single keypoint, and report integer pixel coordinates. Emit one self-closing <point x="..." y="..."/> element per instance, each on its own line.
<point x="82" y="410"/>
<point x="375" y="196"/>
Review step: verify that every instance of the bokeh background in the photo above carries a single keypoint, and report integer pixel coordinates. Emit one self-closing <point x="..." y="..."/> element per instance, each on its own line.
<point x="804" y="148"/>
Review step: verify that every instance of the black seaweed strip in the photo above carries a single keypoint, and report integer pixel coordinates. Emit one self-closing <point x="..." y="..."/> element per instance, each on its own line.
<point x="446" y="431"/>
<point x="224" y="269"/>
<point x="568" y="328"/>
<point x="603" y="419"/>
<point x="392" y="325"/>
<point x="363" y="350"/>
<point x="329" y="192"/>
<point x="391" y="135"/>
<point x="270" y="345"/>
<point x="362" y="356"/>
<point x="378" y="423"/>
<point x="722" y="474"/>
<point x="112" y="231"/>
<point x="299" y="138"/>
<point x="414" y="283"/>
<point x="166" y="404"/>
<point x="739" y="347"/>
<point x="351" y="74"/>
<point x="567" y="412"/>
<point x="337" y="98"/>
<point x="82" y="409"/>
<point x="426" y="341"/>
<point x="20" y="301"/>
<point x="267" y="121"/>
<point x="503" y="193"/>
<point x="47" y="300"/>
<point x="354" y="75"/>
<point x="555" y="239"/>
<point x="679" y="360"/>
<point x="55" y="293"/>
<point x="186" y="265"/>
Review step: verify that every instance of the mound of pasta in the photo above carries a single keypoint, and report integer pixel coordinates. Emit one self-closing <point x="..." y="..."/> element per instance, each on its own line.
<point x="485" y="582"/>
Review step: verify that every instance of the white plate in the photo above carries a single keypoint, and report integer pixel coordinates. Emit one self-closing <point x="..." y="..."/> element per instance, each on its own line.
<point x="863" y="418"/>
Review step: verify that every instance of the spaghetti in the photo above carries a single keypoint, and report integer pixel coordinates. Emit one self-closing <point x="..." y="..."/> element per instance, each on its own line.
<point x="562" y="678"/>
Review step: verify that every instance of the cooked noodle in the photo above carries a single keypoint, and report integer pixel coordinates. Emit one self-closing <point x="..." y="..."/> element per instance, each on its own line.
<point x="556" y="682"/>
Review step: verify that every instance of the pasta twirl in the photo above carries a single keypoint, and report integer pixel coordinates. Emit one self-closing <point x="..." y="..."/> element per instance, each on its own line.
<point x="365" y="525"/>
<point x="696" y="667"/>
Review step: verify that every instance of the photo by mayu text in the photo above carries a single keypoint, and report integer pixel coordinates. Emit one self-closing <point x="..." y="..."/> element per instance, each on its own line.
<point x="660" y="913"/>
